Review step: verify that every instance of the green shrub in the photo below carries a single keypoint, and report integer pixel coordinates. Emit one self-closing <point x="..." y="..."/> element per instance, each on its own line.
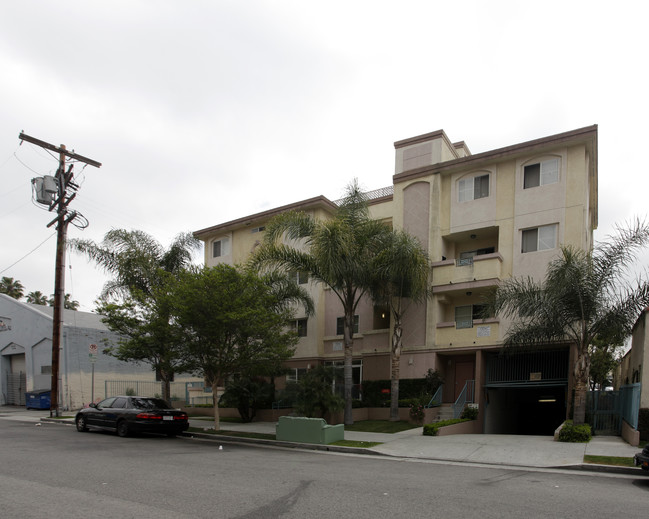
<point x="575" y="433"/>
<point x="643" y="423"/>
<point x="314" y="397"/>
<point x="247" y="394"/>
<point x="417" y="413"/>
<point x="130" y="391"/>
<point x="433" y="381"/>
<point x="431" y="429"/>
<point x="373" y="395"/>
<point x="470" y="413"/>
<point x="409" y="402"/>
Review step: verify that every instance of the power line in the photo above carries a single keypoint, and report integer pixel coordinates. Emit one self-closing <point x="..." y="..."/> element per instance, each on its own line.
<point x="30" y="252"/>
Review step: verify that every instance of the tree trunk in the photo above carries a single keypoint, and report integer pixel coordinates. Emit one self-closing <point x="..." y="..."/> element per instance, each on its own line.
<point x="580" y="373"/>
<point x="395" y="361"/>
<point x="165" y="379"/>
<point x="215" y="402"/>
<point x="348" y="331"/>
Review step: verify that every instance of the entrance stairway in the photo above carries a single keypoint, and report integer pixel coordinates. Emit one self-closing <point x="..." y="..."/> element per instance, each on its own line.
<point x="445" y="412"/>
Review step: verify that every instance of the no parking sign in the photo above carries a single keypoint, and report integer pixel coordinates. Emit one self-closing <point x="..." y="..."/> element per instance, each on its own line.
<point x="93" y="353"/>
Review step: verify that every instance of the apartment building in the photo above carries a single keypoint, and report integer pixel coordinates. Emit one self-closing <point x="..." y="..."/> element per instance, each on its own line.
<point x="482" y="218"/>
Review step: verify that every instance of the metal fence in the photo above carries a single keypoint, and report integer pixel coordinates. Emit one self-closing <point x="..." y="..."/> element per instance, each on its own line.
<point x="604" y="411"/>
<point x="144" y="388"/>
<point x="607" y="409"/>
<point x="631" y="403"/>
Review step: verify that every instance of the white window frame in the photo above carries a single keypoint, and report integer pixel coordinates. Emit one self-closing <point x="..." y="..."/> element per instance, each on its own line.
<point x="548" y="174"/>
<point x="546" y="238"/>
<point x="340" y="323"/>
<point x="293" y="374"/>
<point x="467" y="188"/>
<point x="224" y="247"/>
<point x="295" y="324"/>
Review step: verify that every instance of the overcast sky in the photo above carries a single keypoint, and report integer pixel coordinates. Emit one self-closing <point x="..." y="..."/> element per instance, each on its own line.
<point x="205" y="111"/>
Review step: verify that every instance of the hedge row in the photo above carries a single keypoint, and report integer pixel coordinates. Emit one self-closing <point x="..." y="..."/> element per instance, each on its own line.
<point x="409" y="389"/>
<point x="432" y="429"/>
<point x="575" y="433"/>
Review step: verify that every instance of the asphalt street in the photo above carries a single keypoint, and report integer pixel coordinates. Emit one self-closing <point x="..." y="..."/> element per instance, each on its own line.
<point x="51" y="470"/>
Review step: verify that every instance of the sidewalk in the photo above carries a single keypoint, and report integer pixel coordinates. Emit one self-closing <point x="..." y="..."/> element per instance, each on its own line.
<point x="491" y="449"/>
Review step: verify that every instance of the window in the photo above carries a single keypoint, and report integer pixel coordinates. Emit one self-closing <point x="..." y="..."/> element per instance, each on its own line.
<point x="221" y="248"/>
<point x="258" y="229"/>
<point x="473" y="188"/>
<point x="381" y="318"/>
<point x="541" y="173"/>
<point x="299" y="326"/>
<point x="300" y="277"/>
<point x="295" y="374"/>
<point x="120" y="403"/>
<point x="465" y="315"/>
<point x="466" y="258"/>
<point x="340" y="324"/>
<point x="540" y="238"/>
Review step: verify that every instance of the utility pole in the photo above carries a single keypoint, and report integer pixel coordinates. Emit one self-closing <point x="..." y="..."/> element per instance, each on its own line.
<point x="57" y="193"/>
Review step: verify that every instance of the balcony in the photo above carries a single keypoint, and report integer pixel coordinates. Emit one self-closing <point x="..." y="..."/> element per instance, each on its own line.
<point x="484" y="267"/>
<point x="479" y="332"/>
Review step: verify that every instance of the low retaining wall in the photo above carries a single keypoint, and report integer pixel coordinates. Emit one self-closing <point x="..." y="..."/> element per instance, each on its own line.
<point x="470" y="427"/>
<point x="630" y="435"/>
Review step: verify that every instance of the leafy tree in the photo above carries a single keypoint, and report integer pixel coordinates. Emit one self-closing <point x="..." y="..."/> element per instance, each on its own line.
<point x="13" y="288"/>
<point x="140" y="267"/>
<point x="402" y="267"/>
<point x="604" y="358"/>
<point x="585" y="295"/>
<point x="68" y="303"/>
<point x="37" y="298"/>
<point x="247" y="394"/>
<point x="147" y="334"/>
<point x="339" y="253"/>
<point x="232" y="321"/>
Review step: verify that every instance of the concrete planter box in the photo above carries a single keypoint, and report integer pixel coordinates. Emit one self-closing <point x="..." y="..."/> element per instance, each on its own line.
<point x="470" y="427"/>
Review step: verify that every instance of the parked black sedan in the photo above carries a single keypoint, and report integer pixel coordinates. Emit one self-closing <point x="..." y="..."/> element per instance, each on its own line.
<point x="133" y="414"/>
<point x="642" y="459"/>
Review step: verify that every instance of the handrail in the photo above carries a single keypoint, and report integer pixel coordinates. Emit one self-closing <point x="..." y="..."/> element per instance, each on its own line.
<point x="437" y="398"/>
<point x="465" y="397"/>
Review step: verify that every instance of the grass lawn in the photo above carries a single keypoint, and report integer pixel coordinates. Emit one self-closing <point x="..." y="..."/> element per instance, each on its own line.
<point x="609" y="460"/>
<point x="381" y="426"/>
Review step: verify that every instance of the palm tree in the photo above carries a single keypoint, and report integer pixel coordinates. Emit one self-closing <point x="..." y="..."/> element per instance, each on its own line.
<point x="585" y="296"/>
<point x="134" y="258"/>
<point x="338" y="253"/>
<point x="12" y="288"/>
<point x="68" y="302"/>
<point x="139" y="265"/>
<point x="37" y="298"/>
<point x="403" y="269"/>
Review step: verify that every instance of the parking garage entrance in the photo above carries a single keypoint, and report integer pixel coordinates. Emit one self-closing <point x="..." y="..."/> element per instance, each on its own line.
<point x="526" y="393"/>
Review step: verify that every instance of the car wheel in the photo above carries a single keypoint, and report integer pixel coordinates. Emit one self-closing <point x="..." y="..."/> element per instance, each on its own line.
<point x="122" y="428"/>
<point x="81" y="424"/>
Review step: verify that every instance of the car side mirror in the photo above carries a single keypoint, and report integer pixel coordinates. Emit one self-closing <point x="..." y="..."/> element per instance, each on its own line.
<point x="93" y="405"/>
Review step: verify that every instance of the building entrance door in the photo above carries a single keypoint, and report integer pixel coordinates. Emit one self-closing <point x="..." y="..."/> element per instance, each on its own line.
<point x="463" y="372"/>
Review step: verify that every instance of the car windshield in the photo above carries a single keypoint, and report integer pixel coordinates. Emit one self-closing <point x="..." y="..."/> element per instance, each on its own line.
<point x="149" y="403"/>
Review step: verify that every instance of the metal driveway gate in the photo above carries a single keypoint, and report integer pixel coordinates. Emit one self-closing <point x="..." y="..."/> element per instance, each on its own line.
<point x="16" y="387"/>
